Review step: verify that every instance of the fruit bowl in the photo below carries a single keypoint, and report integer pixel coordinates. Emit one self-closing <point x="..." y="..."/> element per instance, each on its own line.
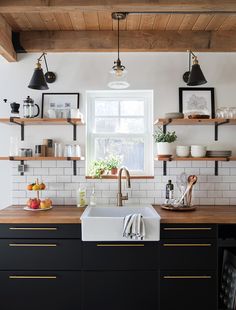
<point x="36" y="204"/>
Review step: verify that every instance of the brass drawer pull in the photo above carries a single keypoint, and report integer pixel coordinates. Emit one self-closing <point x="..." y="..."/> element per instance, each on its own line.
<point x="187" y="228"/>
<point x="187" y="244"/>
<point x="34" y="228"/>
<point x="187" y="277"/>
<point x="33" y="277"/>
<point x="47" y="245"/>
<point x="120" y="245"/>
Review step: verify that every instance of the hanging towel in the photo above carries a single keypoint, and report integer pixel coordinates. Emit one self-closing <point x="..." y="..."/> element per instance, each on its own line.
<point x="134" y="227"/>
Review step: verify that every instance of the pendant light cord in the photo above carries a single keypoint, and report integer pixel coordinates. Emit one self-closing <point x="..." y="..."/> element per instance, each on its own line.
<point x="118" y="38"/>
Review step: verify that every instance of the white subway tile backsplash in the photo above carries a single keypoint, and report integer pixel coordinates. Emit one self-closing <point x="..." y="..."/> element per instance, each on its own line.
<point x="62" y="184"/>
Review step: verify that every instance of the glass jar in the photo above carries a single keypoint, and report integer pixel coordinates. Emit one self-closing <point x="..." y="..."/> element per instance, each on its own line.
<point x="81" y="197"/>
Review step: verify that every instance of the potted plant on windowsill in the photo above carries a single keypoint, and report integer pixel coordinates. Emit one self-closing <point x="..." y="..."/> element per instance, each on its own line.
<point x="113" y="162"/>
<point x="164" y="142"/>
<point x="97" y="168"/>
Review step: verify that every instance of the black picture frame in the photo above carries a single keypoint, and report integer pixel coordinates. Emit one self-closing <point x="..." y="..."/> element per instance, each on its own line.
<point x="59" y="94"/>
<point x="193" y="89"/>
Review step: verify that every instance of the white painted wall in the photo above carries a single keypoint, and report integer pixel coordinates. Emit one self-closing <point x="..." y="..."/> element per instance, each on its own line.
<point x="76" y="72"/>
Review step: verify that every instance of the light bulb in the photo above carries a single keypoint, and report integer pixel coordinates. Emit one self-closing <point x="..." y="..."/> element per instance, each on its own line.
<point x="119" y="72"/>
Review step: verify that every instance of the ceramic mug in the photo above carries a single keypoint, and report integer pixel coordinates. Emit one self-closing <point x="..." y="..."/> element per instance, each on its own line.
<point x="75" y="113"/>
<point x="182" y="150"/>
<point x="198" y="151"/>
<point x="51" y="113"/>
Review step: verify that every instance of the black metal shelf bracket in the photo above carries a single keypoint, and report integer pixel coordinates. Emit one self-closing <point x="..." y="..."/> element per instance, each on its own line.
<point x="12" y="120"/>
<point x="217" y="124"/>
<point x="74" y="128"/>
<point x="216" y="168"/>
<point x="166" y="124"/>
<point x="164" y="168"/>
<point x="74" y="167"/>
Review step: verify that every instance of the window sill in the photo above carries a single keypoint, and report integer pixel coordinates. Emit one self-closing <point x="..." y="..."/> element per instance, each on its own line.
<point x="112" y="177"/>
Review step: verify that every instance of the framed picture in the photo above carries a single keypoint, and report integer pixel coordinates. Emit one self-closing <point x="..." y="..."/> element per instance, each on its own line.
<point x="197" y="101"/>
<point x="59" y="105"/>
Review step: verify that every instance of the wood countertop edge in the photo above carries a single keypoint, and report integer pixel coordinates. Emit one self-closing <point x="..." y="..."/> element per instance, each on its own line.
<point x="71" y="215"/>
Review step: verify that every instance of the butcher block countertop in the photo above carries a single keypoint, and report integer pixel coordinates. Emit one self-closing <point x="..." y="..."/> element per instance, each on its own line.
<point x="72" y="214"/>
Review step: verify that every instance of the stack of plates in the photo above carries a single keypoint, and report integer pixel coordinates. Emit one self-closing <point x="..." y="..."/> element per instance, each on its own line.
<point x="219" y="153"/>
<point x="174" y="115"/>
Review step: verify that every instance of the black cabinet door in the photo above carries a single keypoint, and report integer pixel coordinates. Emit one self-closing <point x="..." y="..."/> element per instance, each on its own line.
<point x="188" y="290"/>
<point x="31" y="290"/>
<point x="116" y="290"/>
<point x="40" y="254"/>
<point x="120" y="255"/>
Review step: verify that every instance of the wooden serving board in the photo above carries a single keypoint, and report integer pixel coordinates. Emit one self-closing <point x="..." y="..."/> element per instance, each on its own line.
<point x="178" y="209"/>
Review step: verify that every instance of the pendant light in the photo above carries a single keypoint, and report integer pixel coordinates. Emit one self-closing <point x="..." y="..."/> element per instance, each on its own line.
<point x="194" y="76"/>
<point x="118" y="74"/>
<point x="39" y="80"/>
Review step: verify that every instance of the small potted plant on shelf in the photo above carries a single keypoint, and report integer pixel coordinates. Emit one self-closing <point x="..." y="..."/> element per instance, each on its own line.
<point x="97" y="168"/>
<point x="164" y="142"/>
<point x="113" y="162"/>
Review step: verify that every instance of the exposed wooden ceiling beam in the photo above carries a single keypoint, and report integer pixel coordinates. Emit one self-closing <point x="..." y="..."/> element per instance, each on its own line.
<point x="6" y="47"/>
<point x="132" y="41"/>
<point x="22" y="6"/>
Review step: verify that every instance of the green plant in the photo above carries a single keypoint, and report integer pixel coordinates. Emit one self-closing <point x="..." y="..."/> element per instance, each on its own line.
<point x="113" y="161"/>
<point x="160" y="136"/>
<point x="97" y="168"/>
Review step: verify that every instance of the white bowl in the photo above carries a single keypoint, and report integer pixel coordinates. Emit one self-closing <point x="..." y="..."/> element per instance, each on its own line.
<point x="182" y="150"/>
<point x="198" y="151"/>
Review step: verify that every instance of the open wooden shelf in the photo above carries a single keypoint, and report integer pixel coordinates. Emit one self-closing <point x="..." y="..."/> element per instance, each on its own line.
<point x="186" y="121"/>
<point x="175" y="158"/>
<point x="19" y="158"/>
<point x="41" y="121"/>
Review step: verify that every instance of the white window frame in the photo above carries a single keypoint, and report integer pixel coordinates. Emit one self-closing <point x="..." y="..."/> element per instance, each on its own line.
<point x="147" y="97"/>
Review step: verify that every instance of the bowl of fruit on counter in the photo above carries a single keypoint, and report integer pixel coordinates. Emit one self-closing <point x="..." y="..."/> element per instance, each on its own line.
<point x="37" y="204"/>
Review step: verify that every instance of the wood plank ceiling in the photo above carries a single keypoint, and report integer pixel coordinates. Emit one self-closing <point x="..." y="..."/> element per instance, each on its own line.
<point x="101" y="20"/>
<point x="87" y="25"/>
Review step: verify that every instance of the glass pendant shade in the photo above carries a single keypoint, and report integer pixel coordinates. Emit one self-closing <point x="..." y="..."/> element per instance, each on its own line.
<point x="118" y="79"/>
<point x="38" y="80"/>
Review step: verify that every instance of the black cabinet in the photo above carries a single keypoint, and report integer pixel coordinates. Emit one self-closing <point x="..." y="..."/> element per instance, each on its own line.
<point x="116" y="290"/>
<point x="187" y="290"/>
<point x="40" y="267"/>
<point x="27" y="290"/>
<point x="188" y="267"/>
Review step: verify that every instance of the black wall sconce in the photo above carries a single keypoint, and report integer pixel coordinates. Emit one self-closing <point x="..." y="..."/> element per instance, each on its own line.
<point x="39" y="80"/>
<point x="194" y="76"/>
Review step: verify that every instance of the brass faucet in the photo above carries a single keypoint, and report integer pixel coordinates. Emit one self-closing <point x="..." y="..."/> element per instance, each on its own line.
<point x="120" y="197"/>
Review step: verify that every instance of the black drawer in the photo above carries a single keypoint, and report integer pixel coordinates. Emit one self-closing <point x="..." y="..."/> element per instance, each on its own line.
<point x="188" y="231"/>
<point x="40" y="254"/>
<point x="188" y="254"/>
<point x="188" y="290"/>
<point x="116" y="290"/>
<point x="50" y="231"/>
<point x="40" y="290"/>
<point x="120" y="256"/>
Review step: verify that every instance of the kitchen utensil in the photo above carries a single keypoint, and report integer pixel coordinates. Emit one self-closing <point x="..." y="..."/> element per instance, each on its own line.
<point x="182" y="150"/>
<point x="192" y="179"/>
<point x="198" y="151"/>
<point x="29" y="107"/>
<point x="182" y="181"/>
<point x="14" y="108"/>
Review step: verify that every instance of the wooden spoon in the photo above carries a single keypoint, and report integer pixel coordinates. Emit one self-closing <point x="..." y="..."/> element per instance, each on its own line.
<point x="192" y="179"/>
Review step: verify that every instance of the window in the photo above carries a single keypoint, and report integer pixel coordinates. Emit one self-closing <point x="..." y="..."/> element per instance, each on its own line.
<point x="121" y="123"/>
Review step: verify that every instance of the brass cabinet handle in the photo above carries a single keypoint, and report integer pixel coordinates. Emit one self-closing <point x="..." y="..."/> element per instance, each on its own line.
<point x="120" y="245"/>
<point x="187" y="244"/>
<point x="187" y="277"/>
<point x="34" y="228"/>
<point x="33" y="277"/>
<point x="49" y="245"/>
<point x="187" y="228"/>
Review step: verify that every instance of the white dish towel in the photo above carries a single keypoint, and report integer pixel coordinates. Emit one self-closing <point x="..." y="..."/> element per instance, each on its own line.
<point x="134" y="227"/>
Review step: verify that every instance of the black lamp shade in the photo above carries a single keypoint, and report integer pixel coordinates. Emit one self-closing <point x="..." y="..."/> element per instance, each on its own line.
<point x="38" y="80"/>
<point x="196" y="77"/>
